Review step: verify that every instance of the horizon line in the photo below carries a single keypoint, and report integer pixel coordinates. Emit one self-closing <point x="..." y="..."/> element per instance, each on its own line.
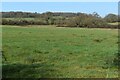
<point x="60" y="12"/>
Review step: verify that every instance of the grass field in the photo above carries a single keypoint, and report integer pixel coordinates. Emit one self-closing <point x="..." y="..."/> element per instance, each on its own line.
<point x="45" y="52"/>
<point x="115" y="23"/>
<point x="27" y="19"/>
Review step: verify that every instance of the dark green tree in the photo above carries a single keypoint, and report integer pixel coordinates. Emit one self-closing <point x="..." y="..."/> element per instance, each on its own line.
<point x="111" y="18"/>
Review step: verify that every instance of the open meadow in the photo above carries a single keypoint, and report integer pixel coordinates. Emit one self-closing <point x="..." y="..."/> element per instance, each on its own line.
<point x="51" y="52"/>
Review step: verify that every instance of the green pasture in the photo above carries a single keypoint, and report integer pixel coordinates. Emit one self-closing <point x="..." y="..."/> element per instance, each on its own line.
<point x="50" y="52"/>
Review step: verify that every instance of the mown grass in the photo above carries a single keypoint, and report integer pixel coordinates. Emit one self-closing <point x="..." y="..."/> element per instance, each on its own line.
<point x="45" y="52"/>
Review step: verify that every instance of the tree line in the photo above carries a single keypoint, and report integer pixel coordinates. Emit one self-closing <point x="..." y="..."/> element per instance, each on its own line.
<point x="60" y="19"/>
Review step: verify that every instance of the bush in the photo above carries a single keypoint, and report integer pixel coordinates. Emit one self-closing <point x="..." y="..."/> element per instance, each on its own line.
<point x="84" y="20"/>
<point x="22" y="21"/>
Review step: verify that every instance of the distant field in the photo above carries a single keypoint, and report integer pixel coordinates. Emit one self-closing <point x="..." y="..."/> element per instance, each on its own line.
<point x="28" y="19"/>
<point x="44" y="52"/>
<point x="115" y="23"/>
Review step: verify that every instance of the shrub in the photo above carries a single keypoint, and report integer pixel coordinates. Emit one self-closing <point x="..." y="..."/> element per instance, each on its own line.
<point x="84" y="20"/>
<point x="22" y="21"/>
